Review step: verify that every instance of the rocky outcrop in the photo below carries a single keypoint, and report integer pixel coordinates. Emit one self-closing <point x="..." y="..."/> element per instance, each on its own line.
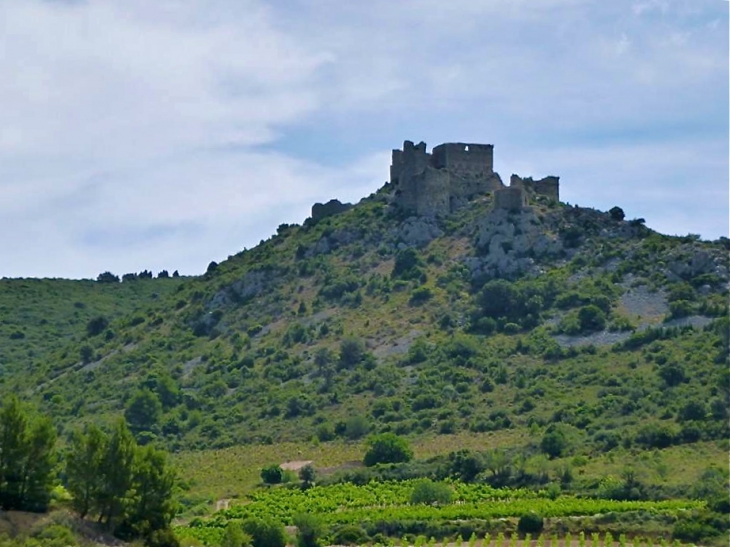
<point x="511" y="244"/>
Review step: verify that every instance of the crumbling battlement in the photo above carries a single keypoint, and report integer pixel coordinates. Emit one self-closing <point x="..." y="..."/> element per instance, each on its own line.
<point x="547" y="186"/>
<point x="331" y="208"/>
<point x="453" y="173"/>
<point x="440" y="182"/>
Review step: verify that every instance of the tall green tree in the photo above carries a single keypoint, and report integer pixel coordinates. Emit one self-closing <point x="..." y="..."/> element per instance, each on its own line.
<point x="13" y="453"/>
<point x="27" y="458"/>
<point x="151" y="506"/>
<point x="84" y="468"/>
<point x="117" y="472"/>
<point x="143" y="411"/>
<point x="40" y="465"/>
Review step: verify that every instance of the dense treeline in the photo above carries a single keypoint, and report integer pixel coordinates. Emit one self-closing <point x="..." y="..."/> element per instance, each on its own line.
<point x="126" y="487"/>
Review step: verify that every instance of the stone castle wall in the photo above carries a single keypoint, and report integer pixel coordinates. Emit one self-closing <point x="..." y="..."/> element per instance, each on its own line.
<point x="452" y="174"/>
<point x="547" y="186"/>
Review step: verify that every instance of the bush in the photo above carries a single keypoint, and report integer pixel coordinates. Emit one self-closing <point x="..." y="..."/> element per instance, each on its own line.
<point x="616" y="213"/>
<point x="591" y="318"/>
<point x="387" y="448"/>
<point x="265" y="533"/>
<point x="554" y="442"/>
<point x="430" y="492"/>
<point x="233" y="536"/>
<point x="350" y="534"/>
<point x="97" y="325"/>
<point x="420" y="296"/>
<point x="530" y="523"/>
<point x="310" y="529"/>
<point x="307" y="475"/>
<point x="272" y="474"/>
<point x="164" y="538"/>
<point x="352" y="352"/>
<point x="356" y="427"/>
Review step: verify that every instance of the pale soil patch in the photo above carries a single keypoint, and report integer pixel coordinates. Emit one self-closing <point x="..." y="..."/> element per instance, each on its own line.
<point x="295" y="465"/>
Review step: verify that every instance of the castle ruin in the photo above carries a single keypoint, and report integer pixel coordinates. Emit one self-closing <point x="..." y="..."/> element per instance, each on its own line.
<point x="452" y="174"/>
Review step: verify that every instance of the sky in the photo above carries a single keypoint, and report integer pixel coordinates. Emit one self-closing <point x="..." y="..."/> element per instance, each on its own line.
<point x="164" y="135"/>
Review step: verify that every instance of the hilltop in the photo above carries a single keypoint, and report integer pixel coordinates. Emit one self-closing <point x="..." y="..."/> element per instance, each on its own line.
<point x="445" y="303"/>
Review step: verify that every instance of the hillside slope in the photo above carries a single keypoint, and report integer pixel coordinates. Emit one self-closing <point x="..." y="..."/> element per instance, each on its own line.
<point x="551" y="318"/>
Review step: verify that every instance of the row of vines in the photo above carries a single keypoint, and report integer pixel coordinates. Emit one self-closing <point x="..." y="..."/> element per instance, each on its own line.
<point x="345" y="503"/>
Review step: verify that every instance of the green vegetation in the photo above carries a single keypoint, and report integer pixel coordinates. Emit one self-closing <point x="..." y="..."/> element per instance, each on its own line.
<point x="594" y="374"/>
<point x="129" y="489"/>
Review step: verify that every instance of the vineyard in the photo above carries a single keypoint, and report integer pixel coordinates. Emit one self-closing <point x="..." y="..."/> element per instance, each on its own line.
<point x="389" y="502"/>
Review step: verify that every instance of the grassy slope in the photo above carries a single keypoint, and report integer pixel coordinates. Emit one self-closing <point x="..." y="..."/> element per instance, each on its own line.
<point x="239" y="344"/>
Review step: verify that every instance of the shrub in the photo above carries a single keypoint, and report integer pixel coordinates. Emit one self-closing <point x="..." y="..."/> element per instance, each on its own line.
<point x="107" y="277"/>
<point x="616" y="213"/>
<point x="554" y="442"/>
<point x="97" y="325"/>
<point x="265" y="533"/>
<point x="307" y="475"/>
<point x="352" y="352"/>
<point x="591" y="318"/>
<point x="164" y="538"/>
<point x="350" y="534"/>
<point x="420" y="296"/>
<point x="233" y="536"/>
<point x="356" y="427"/>
<point x="430" y="492"/>
<point x="407" y="265"/>
<point x="530" y="523"/>
<point x="310" y="529"/>
<point x="387" y="448"/>
<point x="272" y="474"/>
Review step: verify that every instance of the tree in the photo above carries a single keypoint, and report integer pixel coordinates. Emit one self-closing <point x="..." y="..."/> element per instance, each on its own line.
<point x="128" y="487"/>
<point x="38" y="472"/>
<point x="616" y="213"/>
<point x="233" y="536"/>
<point x="530" y="523"/>
<point x="107" y="277"/>
<point x="13" y="451"/>
<point x="116" y="478"/>
<point x="143" y="411"/>
<point x="591" y="318"/>
<point x="352" y="352"/>
<point x="96" y="325"/>
<point x="149" y="505"/>
<point x="265" y="532"/>
<point x="554" y="442"/>
<point x="356" y="427"/>
<point x="310" y="529"/>
<point x="429" y="492"/>
<point x="307" y="475"/>
<point x="387" y="448"/>
<point x="83" y="468"/>
<point x="407" y="265"/>
<point x="465" y="465"/>
<point x="27" y="458"/>
<point x="272" y="474"/>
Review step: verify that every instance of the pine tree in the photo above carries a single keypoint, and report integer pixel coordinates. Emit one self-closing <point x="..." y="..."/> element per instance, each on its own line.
<point x="84" y="468"/>
<point x="13" y="453"/>
<point x="39" y="466"/>
<point x="116" y="479"/>
<point x="151" y="507"/>
<point x="27" y="459"/>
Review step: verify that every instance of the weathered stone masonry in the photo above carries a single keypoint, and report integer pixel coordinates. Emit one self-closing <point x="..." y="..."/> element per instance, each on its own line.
<point x="440" y="182"/>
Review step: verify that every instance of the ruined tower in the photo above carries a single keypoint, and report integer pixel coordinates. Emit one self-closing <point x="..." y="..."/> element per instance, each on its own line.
<point x="452" y="174"/>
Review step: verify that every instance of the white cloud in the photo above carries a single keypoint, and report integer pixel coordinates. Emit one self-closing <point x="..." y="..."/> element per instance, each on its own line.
<point x="143" y="134"/>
